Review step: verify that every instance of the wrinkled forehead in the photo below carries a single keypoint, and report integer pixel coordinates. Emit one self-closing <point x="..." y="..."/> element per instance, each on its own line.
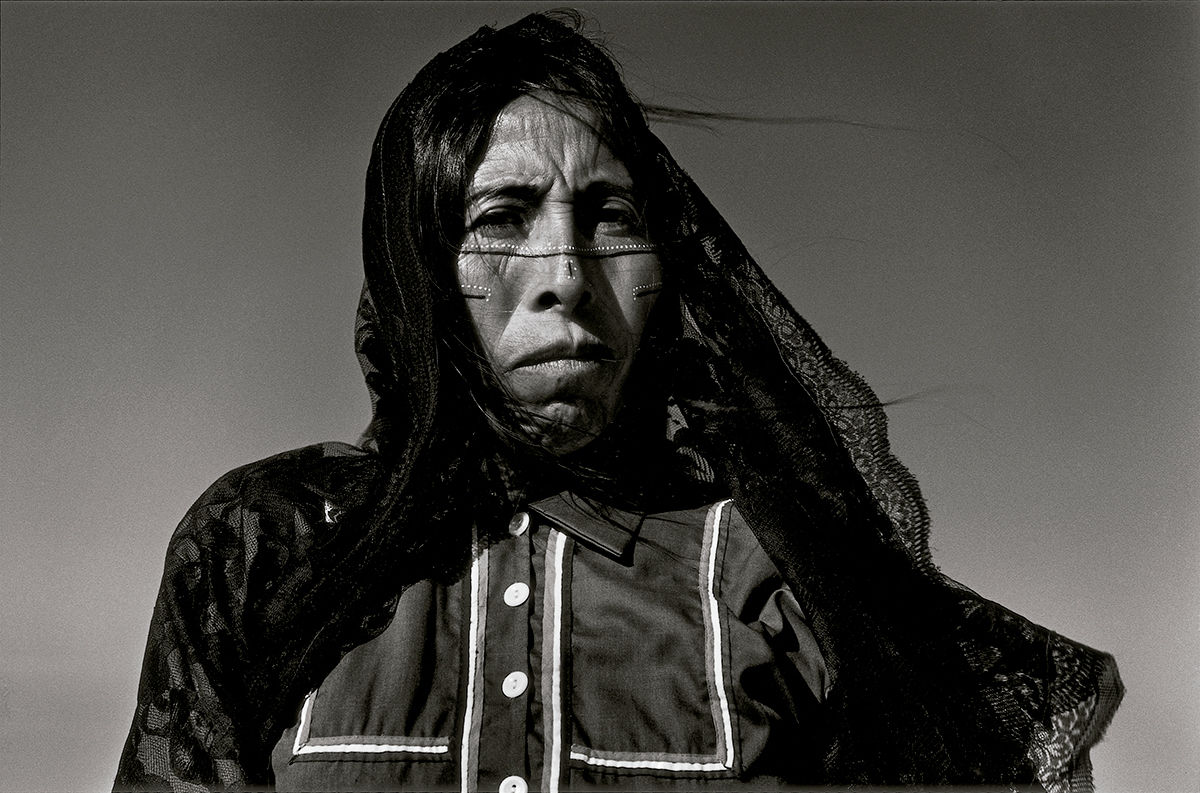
<point x="538" y="140"/>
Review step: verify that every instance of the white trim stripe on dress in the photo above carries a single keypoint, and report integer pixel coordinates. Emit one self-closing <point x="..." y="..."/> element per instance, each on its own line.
<point x="656" y="765"/>
<point x="556" y="544"/>
<point x="722" y="721"/>
<point x="715" y="515"/>
<point x="354" y="744"/>
<point x="347" y="744"/>
<point x="470" y="727"/>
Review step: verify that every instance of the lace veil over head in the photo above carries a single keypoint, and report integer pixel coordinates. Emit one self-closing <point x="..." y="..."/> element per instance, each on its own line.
<point x="931" y="683"/>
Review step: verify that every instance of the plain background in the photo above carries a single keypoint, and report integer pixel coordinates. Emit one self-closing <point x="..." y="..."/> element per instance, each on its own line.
<point x="1013" y="246"/>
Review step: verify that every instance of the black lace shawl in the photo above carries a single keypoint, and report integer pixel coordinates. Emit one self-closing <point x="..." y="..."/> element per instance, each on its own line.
<point x="286" y="564"/>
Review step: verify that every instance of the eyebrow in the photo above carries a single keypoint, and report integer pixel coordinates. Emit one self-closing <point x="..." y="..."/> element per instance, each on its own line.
<point x="528" y="191"/>
<point x="606" y="188"/>
<point x="524" y="191"/>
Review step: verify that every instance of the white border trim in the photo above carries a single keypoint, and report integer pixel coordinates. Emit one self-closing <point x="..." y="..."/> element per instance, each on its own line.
<point x="712" y="614"/>
<point x="477" y="568"/>
<point x="657" y="765"/>
<point x="717" y="512"/>
<point x="556" y="715"/>
<point x="372" y="748"/>
<point x="305" y="723"/>
<point x="301" y="745"/>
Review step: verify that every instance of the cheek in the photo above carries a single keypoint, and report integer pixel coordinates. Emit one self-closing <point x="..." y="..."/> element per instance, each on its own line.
<point x="636" y="287"/>
<point x="486" y="300"/>
<point x="490" y="322"/>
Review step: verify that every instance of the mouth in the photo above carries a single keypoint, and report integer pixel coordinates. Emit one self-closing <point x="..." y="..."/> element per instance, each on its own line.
<point x="566" y="356"/>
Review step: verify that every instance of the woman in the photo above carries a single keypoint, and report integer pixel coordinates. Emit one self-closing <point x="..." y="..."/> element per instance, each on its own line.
<point x="619" y="518"/>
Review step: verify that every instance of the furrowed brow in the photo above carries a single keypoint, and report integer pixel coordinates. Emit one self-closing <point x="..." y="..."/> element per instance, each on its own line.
<point x="522" y="191"/>
<point x="606" y="188"/>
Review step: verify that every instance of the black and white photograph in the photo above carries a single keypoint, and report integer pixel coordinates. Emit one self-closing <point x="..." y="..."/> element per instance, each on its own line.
<point x="659" y="396"/>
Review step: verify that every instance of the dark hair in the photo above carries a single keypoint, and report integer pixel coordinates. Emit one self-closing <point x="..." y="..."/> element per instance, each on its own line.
<point x="451" y="107"/>
<point x="463" y="91"/>
<point x="819" y="488"/>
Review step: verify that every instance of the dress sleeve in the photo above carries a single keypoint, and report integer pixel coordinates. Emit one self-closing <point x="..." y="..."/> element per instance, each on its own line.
<point x="787" y="629"/>
<point x="753" y="587"/>
<point x="185" y="733"/>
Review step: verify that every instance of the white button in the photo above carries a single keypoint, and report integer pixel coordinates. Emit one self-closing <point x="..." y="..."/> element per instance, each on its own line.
<point x="516" y="594"/>
<point x="518" y="524"/>
<point x="514" y="784"/>
<point x="515" y="684"/>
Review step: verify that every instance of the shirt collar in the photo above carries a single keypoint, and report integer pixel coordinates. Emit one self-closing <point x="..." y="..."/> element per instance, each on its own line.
<point x="611" y="531"/>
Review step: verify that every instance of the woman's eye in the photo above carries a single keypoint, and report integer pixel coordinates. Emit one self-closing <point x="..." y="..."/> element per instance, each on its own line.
<point x="617" y="215"/>
<point x="499" y="219"/>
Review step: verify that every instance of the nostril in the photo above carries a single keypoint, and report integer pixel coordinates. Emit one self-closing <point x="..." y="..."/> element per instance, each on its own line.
<point x="573" y="300"/>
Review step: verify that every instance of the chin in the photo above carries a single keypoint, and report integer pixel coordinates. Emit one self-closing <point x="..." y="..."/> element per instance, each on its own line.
<point x="564" y="427"/>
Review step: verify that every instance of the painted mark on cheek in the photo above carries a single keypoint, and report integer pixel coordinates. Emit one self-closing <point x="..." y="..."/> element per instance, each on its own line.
<point x="645" y="290"/>
<point x="475" y="291"/>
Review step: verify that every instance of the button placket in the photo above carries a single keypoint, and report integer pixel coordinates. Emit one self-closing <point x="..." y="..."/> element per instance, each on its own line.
<point x="517" y="593"/>
<point x="503" y="745"/>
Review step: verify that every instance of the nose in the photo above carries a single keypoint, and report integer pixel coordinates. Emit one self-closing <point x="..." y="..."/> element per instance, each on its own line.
<point x="564" y="284"/>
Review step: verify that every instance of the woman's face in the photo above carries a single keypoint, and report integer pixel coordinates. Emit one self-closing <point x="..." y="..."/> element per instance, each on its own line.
<point x="556" y="269"/>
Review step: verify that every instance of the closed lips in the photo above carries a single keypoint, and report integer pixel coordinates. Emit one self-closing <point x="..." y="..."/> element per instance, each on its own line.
<point x="566" y="356"/>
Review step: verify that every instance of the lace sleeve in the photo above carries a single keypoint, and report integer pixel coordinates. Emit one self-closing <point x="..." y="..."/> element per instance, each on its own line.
<point x="231" y="647"/>
<point x="184" y="735"/>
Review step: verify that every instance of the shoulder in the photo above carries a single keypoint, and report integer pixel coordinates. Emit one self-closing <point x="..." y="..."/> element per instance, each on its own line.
<point x="325" y="478"/>
<point x="331" y="470"/>
<point x="261" y="518"/>
<point x="719" y="538"/>
<point x="722" y="512"/>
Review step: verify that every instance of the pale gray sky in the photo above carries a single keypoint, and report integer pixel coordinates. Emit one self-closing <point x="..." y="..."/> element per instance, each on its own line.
<point x="1019" y="252"/>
